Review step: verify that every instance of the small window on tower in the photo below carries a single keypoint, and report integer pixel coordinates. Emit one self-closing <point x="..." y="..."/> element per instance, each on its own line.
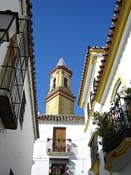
<point x="54" y="83"/>
<point x="65" y="82"/>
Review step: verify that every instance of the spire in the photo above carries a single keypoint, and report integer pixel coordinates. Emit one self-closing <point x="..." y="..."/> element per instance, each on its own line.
<point x="61" y="62"/>
<point x="60" y="99"/>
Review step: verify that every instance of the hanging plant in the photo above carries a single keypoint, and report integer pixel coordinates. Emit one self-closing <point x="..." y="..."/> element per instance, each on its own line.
<point x="127" y="98"/>
<point x="127" y="92"/>
<point x="106" y="130"/>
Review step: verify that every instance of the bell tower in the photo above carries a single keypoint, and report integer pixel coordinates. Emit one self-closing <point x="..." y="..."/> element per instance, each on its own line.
<point x="60" y="99"/>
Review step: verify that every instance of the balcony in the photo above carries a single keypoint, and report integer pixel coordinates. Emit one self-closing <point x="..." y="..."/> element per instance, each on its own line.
<point x="115" y="129"/>
<point x="12" y="77"/>
<point x="59" y="147"/>
<point x="117" y="121"/>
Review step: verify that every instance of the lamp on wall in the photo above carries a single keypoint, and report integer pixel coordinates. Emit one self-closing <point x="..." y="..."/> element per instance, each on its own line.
<point x="9" y="25"/>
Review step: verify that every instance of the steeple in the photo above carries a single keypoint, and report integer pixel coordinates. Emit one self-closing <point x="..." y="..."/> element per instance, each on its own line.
<point x="60" y="99"/>
<point x="60" y="76"/>
<point x="61" y="62"/>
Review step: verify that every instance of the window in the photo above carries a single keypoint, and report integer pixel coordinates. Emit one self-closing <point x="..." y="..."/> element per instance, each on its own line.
<point x="59" y="137"/>
<point x="13" y="75"/>
<point x="54" y="83"/>
<point x="58" y="169"/>
<point x="65" y="82"/>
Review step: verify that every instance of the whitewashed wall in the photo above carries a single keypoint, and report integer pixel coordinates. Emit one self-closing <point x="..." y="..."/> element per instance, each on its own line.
<point x="74" y="132"/>
<point x="16" y="146"/>
<point x="122" y="70"/>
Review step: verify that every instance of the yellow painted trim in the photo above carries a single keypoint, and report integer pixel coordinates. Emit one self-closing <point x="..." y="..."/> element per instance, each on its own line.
<point x="125" y="11"/>
<point x="92" y="137"/>
<point x="119" y="151"/>
<point x="117" y="83"/>
<point x="94" y="59"/>
<point x="93" y="104"/>
<point x="87" y="124"/>
<point x="95" y="167"/>
<point x="119" y="80"/>
<point x="84" y="80"/>
<point x="88" y="121"/>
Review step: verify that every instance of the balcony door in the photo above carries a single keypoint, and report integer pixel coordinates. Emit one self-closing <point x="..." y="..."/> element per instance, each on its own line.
<point x="58" y="169"/>
<point x="59" y="138"/>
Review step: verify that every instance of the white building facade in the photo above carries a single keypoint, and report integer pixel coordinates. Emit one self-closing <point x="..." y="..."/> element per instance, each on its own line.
<point x="61" y="148"/>
<point x="104" y="90"/>
<point x="18" y="105"/>
<point x="67" y="150"/>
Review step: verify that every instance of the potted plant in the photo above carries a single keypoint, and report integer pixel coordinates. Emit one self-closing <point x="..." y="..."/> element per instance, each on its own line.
<point x="127" y="92"/>
<point x="127" y="98"/>
<point x="106" y="130"/>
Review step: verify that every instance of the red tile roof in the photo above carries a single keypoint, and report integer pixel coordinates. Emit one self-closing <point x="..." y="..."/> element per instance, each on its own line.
<point x="106" y="48"/>
<point x="32" y="60"/>
<point x="62" y="118"/>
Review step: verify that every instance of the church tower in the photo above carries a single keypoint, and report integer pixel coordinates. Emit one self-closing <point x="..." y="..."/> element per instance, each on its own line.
<point x="60" y="99"/>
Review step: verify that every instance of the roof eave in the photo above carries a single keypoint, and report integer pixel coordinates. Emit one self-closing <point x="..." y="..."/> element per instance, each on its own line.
<point x="119" y="29"/>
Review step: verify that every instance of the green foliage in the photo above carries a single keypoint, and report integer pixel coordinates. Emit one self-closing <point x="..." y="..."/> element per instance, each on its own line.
<point x="105" y="129"/>
<point x="127" y="98"/>
<point x="127" y="92"/>
<point x="107" y="126"/>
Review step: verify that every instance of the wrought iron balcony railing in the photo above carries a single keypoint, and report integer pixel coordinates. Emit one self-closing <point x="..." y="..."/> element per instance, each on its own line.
<point x="59" y="145"/>
<point x="12" y="76"/>
<point x="117" y="124"/>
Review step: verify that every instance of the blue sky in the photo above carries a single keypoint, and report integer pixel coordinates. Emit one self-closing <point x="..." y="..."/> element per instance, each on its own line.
<point x="65" y="28"/>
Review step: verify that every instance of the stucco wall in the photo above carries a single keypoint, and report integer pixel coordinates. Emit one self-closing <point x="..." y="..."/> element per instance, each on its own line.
<point x="16" y="146"/>
<point x="73" y="131"/>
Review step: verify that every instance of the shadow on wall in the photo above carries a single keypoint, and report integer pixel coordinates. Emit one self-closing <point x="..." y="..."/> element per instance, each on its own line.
<point x="72" y="167"/>
<point x="91" y="172"/>
<point x="33" y="162"/>
<point x="74" y="151"/>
